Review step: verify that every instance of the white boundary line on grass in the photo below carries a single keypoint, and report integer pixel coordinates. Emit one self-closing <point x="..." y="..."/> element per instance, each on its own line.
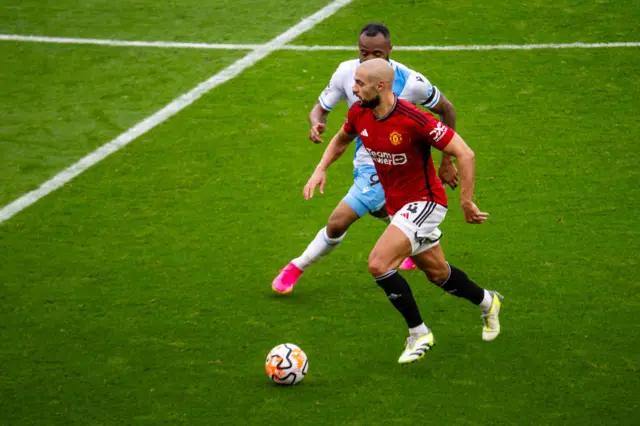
<point x="107" y="42"/>
<point x="476" y="47"/>
<point x="219" y="46"/>
<point x="169" y="110"/>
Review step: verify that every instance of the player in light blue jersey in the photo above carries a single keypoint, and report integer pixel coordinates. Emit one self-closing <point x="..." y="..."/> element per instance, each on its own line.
<point x="366" y="194"/>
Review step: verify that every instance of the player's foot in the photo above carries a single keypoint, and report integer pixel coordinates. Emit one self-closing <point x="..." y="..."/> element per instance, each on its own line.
<point x="407" y="264"/>
<point x="416" y="348"/>
<point x="286" y="279"/>
<point x="491" y="327"/>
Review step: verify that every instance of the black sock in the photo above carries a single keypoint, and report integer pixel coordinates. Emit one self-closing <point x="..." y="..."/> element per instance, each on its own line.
<point x="460" y="285"/>
<point x="399" y="294"/>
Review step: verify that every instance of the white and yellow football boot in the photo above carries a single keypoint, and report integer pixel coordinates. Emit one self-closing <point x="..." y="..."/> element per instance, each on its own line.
<point x="491" y="321"/>
<point x="416" y="347"/>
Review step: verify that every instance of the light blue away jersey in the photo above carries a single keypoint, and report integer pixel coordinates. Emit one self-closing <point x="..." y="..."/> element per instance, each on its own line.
<point x="408" y="85"/>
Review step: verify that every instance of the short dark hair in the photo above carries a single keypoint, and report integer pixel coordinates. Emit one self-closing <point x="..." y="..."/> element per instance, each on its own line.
<point x="372" y="29"/>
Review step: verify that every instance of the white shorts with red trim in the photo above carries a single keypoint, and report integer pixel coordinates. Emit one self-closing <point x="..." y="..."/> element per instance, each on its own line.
<point x="419" y="221"/>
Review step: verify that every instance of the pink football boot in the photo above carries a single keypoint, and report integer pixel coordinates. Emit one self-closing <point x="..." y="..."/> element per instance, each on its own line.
<point x="286" y="279"/>
<point x="407" y="264"/>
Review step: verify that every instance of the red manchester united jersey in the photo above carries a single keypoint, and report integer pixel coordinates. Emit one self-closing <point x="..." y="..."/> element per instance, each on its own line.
<point x="400" y="145"/>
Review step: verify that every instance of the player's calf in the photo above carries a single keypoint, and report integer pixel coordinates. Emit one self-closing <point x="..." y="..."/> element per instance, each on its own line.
<point x="456" y="282"/>
<point x="437" y="273"/>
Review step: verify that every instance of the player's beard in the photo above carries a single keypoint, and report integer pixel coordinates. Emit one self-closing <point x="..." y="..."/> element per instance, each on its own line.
<point x="370" y="103"/>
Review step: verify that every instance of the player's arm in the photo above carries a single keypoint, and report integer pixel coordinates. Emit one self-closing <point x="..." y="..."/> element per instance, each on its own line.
<point x="317" y="122"/>
<point x="335" y="149"/>
<point x="327" y="100"/>
<point x="445" y="110"/>
<point x="419" y="90"/>
<point x="466" y="162"/>
<point x="447" y="113"/>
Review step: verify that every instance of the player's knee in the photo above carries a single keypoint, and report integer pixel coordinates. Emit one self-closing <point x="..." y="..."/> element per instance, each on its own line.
<point x="437" y="273"/>
<point x="378" y="266"/>
<point x="336" y="227"/>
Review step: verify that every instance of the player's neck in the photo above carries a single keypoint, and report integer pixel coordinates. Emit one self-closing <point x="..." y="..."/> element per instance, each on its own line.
<point x="387" y="103"/>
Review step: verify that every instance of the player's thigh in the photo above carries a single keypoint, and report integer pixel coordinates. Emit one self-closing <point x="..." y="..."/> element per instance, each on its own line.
<point x="390" y="249"/>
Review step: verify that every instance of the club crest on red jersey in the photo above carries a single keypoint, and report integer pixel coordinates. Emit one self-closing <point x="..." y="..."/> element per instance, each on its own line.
<point x="395" y="138"/>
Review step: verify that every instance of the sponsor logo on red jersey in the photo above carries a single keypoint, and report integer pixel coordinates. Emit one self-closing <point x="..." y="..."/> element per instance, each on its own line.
<point x="438" y="132"/>
<point x="388" y="158"/>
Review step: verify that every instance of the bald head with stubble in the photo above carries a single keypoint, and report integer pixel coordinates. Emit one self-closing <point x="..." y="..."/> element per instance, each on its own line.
<point x="373" y="79"/>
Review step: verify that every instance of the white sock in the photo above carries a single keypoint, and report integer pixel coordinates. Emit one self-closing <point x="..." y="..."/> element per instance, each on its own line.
<point x="320" y="246"/>
<point x="486" y="303"/>
<point x="419" y="330"/>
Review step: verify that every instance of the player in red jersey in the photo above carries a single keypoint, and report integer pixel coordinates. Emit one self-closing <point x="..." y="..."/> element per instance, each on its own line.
<point x="399" y="137"/>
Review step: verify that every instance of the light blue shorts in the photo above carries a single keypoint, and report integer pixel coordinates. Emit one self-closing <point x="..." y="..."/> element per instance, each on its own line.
<point x="366" y="194"/>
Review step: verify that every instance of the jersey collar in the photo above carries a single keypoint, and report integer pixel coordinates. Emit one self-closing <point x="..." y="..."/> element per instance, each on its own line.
<point x="393" y="108"/>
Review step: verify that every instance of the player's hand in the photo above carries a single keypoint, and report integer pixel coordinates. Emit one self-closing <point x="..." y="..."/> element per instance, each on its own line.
<point x="319" y="177"/>
<point x="472" y="213"/>
<point x="316" y="131"/>
<point x="448" y="173"/>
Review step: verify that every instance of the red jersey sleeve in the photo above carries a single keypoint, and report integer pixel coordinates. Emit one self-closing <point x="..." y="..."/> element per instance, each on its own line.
<point x="349" y="125"/>
<point x="436" y="133"/>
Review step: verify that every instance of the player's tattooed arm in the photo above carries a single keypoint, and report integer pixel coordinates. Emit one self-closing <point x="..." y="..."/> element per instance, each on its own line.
<point x="317" y="122"/>
<point x="447" y="113"/>
<point x="334" y="150"/>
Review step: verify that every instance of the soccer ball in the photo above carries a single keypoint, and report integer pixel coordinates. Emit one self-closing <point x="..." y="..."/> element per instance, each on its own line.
<point x="286" y="364"/>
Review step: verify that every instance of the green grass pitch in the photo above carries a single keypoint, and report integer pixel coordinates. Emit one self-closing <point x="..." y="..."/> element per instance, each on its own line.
<point x="139" y="293"/>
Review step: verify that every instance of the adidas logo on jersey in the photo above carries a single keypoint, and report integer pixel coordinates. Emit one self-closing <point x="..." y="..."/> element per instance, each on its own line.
<point x="364" y="133"/>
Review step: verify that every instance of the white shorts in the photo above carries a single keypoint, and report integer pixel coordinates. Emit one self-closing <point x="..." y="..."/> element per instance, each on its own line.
<point x="419" y="221"/>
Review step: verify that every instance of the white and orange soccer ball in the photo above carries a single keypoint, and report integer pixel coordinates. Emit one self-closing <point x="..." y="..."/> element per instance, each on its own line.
<point x="286" y="364"/>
